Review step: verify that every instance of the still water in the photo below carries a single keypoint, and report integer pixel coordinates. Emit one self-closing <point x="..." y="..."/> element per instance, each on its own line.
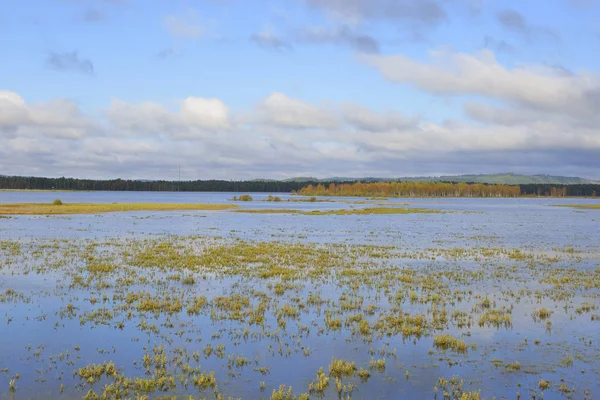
<point x="79" y="290"/>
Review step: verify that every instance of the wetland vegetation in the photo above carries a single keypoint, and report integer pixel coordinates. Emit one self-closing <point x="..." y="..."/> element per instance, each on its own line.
<point x="364" y="306"/>
<point x="58" y="207"/>
<point x="348" y="211"/>
<point x="584" y="206"/>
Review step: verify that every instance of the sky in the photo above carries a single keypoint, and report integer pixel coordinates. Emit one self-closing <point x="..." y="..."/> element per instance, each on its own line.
<point x="244" y="89"/>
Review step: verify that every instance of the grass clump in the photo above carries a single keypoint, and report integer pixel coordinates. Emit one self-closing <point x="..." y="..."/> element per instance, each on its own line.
<point x="449" y="342"/>
<point x="541" y="314"/>
<point x="205" y="381"/>
<point x="285" y="393"/>
<point x="339" y="368"/>
<point x="586" y="307"/>
<point x="93" y="373"/>
<point x="515" y="366"/>
<point x="333" y="324"/>
<point x="321" y="383"/>
<point x="363" y="374"/>
<point x="196" y="305"/>
<point x="544" y="384"/>
<point x="497" y="318"/>
<point x="379" y="364"/>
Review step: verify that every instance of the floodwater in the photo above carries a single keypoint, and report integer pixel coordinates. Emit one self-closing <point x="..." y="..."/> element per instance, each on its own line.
<point x="59" y="315"/>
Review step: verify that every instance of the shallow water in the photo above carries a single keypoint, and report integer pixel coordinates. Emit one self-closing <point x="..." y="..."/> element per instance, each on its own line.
<point x="474" y="242"/>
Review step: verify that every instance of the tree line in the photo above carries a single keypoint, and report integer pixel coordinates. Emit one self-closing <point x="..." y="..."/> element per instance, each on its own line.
<point x="366" y="189"/>
<point x="445" y="189"/>
<point x="37" y="183"/>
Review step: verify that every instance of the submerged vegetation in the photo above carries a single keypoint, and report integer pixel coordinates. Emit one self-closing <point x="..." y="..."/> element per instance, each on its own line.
<point x="58" y="207"/>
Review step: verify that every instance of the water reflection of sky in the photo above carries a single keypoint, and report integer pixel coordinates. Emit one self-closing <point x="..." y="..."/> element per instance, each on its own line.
<point x="505" y="222"/>
<point x="530" y="224"/>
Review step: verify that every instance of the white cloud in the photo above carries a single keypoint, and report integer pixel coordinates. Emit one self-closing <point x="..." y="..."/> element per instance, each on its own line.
<point x="195" y="118"/>
<point x="58" y="118"/>
<point x="539" y="87"/>
<point x="369" y="120"/>
<point x="280" y="110"/>
<point x="205" y="113"/>
<point x="283" y="137"/>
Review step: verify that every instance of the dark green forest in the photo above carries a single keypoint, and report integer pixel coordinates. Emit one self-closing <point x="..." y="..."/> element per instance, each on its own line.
<point x="21" y="182"/>
<point x="38" y="183"/>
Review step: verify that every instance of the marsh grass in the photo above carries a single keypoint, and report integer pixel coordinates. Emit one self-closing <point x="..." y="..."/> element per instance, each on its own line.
<point x="449" y="342"/>
<point x="541" y="314"/>
<point x="207" y="304"/>
<point x="352" y="211"/>
<point x="97" y="208"/>
<point x="584" y="206"/>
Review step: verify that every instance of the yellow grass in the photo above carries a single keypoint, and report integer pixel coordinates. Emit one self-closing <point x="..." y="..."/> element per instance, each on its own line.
<point x="95" y="208"/>
<point x="586" y="206"/>
<point x="354" y="211"/>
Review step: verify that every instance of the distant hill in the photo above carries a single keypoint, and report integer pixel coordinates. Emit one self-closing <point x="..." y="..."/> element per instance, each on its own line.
<point x="502" y="179"/>
<point x="517" y="179"/>
<point x="302" y="179"/>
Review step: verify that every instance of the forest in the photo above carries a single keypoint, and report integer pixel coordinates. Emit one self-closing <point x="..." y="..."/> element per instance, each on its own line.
<point x="368" y="189"/>
<point x="37" y="183"/>
<point x="445" y="189"/>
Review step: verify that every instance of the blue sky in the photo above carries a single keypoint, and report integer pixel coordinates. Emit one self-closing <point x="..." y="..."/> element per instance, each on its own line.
<point x="243" y="89"/>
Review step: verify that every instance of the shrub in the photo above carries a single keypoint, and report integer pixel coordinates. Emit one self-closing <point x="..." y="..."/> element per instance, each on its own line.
<point x="57" y="202"/>
<point x="245" y="197"/>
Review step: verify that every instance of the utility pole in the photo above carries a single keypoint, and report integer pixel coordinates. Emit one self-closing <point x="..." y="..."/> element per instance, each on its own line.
<point x="179" y="183"/>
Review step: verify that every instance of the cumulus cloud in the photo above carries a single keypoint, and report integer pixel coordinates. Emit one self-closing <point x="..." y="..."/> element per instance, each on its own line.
<point x="69" y="61"/>
<point x="205" y="113"/>
<point x="540" y="87"/>
<point x="280" y="110"/>
<point x="58" y="118"/>
<point x="365" y="119"/>
<point x="283" y="137"/>
<point x="196" y="117"/>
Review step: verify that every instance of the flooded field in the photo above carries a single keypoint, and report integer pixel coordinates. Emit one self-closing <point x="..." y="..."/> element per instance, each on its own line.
<point x="456" y="299"/>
